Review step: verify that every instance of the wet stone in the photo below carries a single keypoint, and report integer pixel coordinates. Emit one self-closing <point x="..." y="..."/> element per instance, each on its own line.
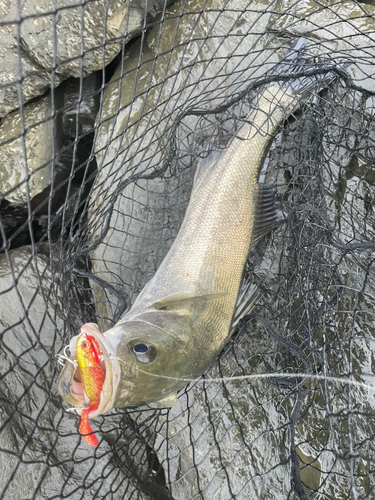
<point x="111" y="22"/>
<point x="58" y="159"/>
<point x="344" y="29"/>
<point x="40" y="144"/>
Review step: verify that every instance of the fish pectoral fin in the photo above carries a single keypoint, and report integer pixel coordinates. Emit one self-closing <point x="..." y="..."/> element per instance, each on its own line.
<point x="181" y="300"/>
<point x="167" y="402"/>
<point x="266" y="218"/>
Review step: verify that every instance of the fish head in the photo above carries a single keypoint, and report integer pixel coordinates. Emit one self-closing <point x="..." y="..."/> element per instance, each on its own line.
<point x="154" y="355"/>
<point x="146" y="360"/>
<point x="70" y="384"/>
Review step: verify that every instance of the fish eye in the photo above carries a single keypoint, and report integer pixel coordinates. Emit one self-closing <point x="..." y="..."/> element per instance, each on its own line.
<point x="141" y="348"/>
<point x="144" y="351"/>
<point x="84" y="345"/>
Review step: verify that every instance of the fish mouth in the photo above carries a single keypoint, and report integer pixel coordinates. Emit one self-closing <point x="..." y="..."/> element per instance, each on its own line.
<point x="70" y="385"/>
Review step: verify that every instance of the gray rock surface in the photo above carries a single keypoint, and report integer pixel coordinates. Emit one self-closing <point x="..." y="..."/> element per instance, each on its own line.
<point x="29" y="320"/>
<point x="325" y="181"/>
<point x="343" y="29"/>
<point x="55" y="34"/>
<point x="39" y="146"/>
<point x="42" y="170"/>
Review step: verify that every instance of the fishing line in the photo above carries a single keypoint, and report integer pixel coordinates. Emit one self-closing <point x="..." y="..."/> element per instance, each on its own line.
<point x="257" y="376"/>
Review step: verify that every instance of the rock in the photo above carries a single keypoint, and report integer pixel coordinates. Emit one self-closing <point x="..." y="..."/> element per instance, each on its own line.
<point x="26" y="191"/>
<point x="53" y="34"/>
<point x="57" y="156"/>
<point x="42" y="142"/>
<point x="327" y="282"/>
<point x="345" y="30"/>
<point x="29" y="342"/>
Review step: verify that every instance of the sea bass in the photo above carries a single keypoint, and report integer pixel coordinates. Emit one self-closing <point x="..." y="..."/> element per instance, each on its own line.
<point x="184" y="316"/>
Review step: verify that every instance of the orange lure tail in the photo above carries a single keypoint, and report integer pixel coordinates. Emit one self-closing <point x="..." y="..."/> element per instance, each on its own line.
<point x="85" y="428"/>
<point x="93" y="376"/>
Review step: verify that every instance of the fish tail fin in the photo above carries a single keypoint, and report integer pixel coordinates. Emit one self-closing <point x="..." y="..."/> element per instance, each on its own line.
<point x="304" y="73"/>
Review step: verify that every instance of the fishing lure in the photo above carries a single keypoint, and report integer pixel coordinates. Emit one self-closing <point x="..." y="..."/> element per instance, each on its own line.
<point x="89" y="357"/>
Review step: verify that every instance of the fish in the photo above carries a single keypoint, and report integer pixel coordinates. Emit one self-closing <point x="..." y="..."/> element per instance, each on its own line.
<point x="90" y="376"/>
<point x="188" y="311"/>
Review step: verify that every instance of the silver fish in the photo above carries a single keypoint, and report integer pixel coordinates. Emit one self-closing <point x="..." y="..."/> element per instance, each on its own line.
<point x="182" y="318"/>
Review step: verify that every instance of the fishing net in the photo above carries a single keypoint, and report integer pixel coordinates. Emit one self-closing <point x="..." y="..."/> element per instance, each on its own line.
<point x="107" y="107"/>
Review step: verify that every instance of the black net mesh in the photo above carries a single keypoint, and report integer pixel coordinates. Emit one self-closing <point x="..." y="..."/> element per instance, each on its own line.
<point x="107" y="108"/>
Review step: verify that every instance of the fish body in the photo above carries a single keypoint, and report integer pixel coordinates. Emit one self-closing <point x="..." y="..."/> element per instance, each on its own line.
<point x="92" y="377"/>
<point x="182" y="318"/>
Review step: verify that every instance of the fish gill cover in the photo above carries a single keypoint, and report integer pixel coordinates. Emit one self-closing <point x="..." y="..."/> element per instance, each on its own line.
<point x="107" y="108"/>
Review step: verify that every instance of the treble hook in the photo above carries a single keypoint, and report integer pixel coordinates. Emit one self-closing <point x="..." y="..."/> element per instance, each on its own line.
<point x="61" y="358"/>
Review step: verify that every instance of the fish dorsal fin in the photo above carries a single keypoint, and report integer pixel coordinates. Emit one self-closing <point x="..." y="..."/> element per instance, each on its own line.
<point x="249" y="294"/>
<point x="181" y="300"/>
<point x="265" y="215"/>
<point x="205" y="163"/>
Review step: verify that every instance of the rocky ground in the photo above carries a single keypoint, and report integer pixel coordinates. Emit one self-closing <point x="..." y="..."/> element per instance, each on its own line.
<point x="99" y="141"/>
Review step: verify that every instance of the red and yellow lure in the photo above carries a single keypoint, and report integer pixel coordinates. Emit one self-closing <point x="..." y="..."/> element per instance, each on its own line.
<point x="92" y="373"/>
